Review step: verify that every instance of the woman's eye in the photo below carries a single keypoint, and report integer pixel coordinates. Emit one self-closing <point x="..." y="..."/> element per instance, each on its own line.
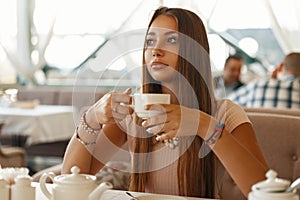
<point x="172" y="40"/>
<point x="149" y="42"/>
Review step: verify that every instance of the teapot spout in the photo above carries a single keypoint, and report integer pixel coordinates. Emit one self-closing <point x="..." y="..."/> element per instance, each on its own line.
<point x="98" y="191"/>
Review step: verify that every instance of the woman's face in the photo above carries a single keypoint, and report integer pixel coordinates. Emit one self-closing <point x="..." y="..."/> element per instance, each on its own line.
<point x="161" y="53"/>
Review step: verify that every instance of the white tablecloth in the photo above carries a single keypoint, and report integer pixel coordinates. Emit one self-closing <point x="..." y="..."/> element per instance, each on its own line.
<point x="45" y="123"/>
<point x="113" y="194"/>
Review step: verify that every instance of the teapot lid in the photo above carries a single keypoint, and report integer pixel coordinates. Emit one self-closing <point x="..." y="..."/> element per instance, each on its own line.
<point x="272" y="184"/>
<point x="23" y="180"/>
<point x="75" y="177"/>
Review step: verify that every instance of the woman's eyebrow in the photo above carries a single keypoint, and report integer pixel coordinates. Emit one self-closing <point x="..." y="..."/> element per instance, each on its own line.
<point x="151" y="33"/>
<point x="170" y="32"/>
<point x="166" y="33"/>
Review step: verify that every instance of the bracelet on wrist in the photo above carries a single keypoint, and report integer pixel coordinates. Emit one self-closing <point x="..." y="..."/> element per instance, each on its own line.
<point x="87" y="128"/>
<point x="81" y="141"/>
<point x="215" y="135"/>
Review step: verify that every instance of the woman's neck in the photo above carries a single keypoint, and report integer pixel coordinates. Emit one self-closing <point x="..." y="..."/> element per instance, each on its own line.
<point x="172" y="91"/>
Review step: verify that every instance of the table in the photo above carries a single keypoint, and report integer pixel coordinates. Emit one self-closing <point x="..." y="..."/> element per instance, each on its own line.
<point x="44" y="123"/>
<point x="121" y="195"/>
<point x="110" y="194"/>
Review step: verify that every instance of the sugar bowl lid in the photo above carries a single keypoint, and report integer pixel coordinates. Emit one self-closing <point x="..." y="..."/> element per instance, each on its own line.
<point x="75" y="178"/>
<point x="272" y="184"/>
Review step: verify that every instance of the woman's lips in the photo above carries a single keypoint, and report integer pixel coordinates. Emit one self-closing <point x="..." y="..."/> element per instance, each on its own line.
<point x="156" y="65"/>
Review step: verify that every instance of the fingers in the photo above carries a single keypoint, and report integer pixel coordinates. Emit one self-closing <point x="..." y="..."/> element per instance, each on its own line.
<point x="118" y="97"/>
<point x="122" y="109"/>
<point x="113" y="106"/>
<point x="166" y="136"/>
<point x="163" y="129"/>
<point x="118" y="116"/>
<point x="120" y="104"/>
<point x="158" y="125"/>
<point x="159" y="107"/>
<point x="164" y="126"/>
<point x="155" y="120"/>
<point x="155" y="130"/>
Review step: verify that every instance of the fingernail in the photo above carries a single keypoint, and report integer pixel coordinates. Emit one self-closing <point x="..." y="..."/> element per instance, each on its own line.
<point x="157" y="138"/>
<point x="144" y="123"/>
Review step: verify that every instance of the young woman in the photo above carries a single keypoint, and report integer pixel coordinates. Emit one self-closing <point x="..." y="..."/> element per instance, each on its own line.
<point x="175" y="152"/>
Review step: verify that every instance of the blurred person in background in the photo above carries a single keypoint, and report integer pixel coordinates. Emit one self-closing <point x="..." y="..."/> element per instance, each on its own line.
<point x="229" y="81"/>
<point x="281" y="90"/>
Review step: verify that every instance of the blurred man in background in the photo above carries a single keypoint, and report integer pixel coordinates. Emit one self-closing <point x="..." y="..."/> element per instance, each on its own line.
<point x="282" y="90"/>
<point x="230" y="79"/>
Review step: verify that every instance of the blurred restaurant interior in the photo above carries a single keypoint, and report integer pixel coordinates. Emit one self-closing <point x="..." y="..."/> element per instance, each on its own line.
<point x="58" y="57"/>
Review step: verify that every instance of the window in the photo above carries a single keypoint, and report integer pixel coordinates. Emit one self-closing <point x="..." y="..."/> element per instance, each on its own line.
<point x="64" y="34"/>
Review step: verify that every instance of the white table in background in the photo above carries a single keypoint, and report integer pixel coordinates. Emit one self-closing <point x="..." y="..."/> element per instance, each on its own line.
<point x="44" y="123"/>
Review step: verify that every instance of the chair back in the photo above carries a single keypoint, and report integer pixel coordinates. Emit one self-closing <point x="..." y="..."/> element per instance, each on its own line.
<point x="278" y="135"/>
<point x="45" y="96"/>
<point x="293" y="112"/>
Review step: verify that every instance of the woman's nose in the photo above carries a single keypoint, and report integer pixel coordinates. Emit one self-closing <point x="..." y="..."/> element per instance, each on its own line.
<point x="156" y="52"/>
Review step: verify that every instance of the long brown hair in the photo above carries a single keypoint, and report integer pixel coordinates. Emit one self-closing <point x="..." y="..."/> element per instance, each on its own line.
<point x="195" y="176"/>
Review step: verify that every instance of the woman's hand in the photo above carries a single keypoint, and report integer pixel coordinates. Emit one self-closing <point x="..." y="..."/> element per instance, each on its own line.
<point x="175" y="120"/>
<point x="111" y="108"/>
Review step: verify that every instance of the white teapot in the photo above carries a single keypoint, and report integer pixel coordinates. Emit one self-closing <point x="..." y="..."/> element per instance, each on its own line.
<point x="272" y="189"/>
<point x="73" y="186"/>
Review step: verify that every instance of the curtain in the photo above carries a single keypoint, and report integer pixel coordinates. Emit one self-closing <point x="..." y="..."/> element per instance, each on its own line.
<point x="285" y="21"/>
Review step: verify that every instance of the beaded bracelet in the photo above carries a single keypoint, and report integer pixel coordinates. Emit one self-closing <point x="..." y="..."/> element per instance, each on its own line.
<point x="215" y="135"/>
<point x="87" y="128"/>
<point x="81" y="141"/>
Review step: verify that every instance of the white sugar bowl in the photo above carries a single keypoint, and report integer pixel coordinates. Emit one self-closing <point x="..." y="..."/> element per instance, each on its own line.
<point x="272" y="189"/>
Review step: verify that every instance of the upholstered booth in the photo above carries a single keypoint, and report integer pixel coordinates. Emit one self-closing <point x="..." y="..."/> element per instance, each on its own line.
<point x="293" y="112"/>
<point x="77" y="98"/>
<point x="45" y="96"/>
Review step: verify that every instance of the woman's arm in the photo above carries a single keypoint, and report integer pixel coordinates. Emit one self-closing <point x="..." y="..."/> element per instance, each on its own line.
<point x="238" y="151"/>
<point x="91" y="145"/>
<point x="90" y="159"/>
<point x="241" y="156"/>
